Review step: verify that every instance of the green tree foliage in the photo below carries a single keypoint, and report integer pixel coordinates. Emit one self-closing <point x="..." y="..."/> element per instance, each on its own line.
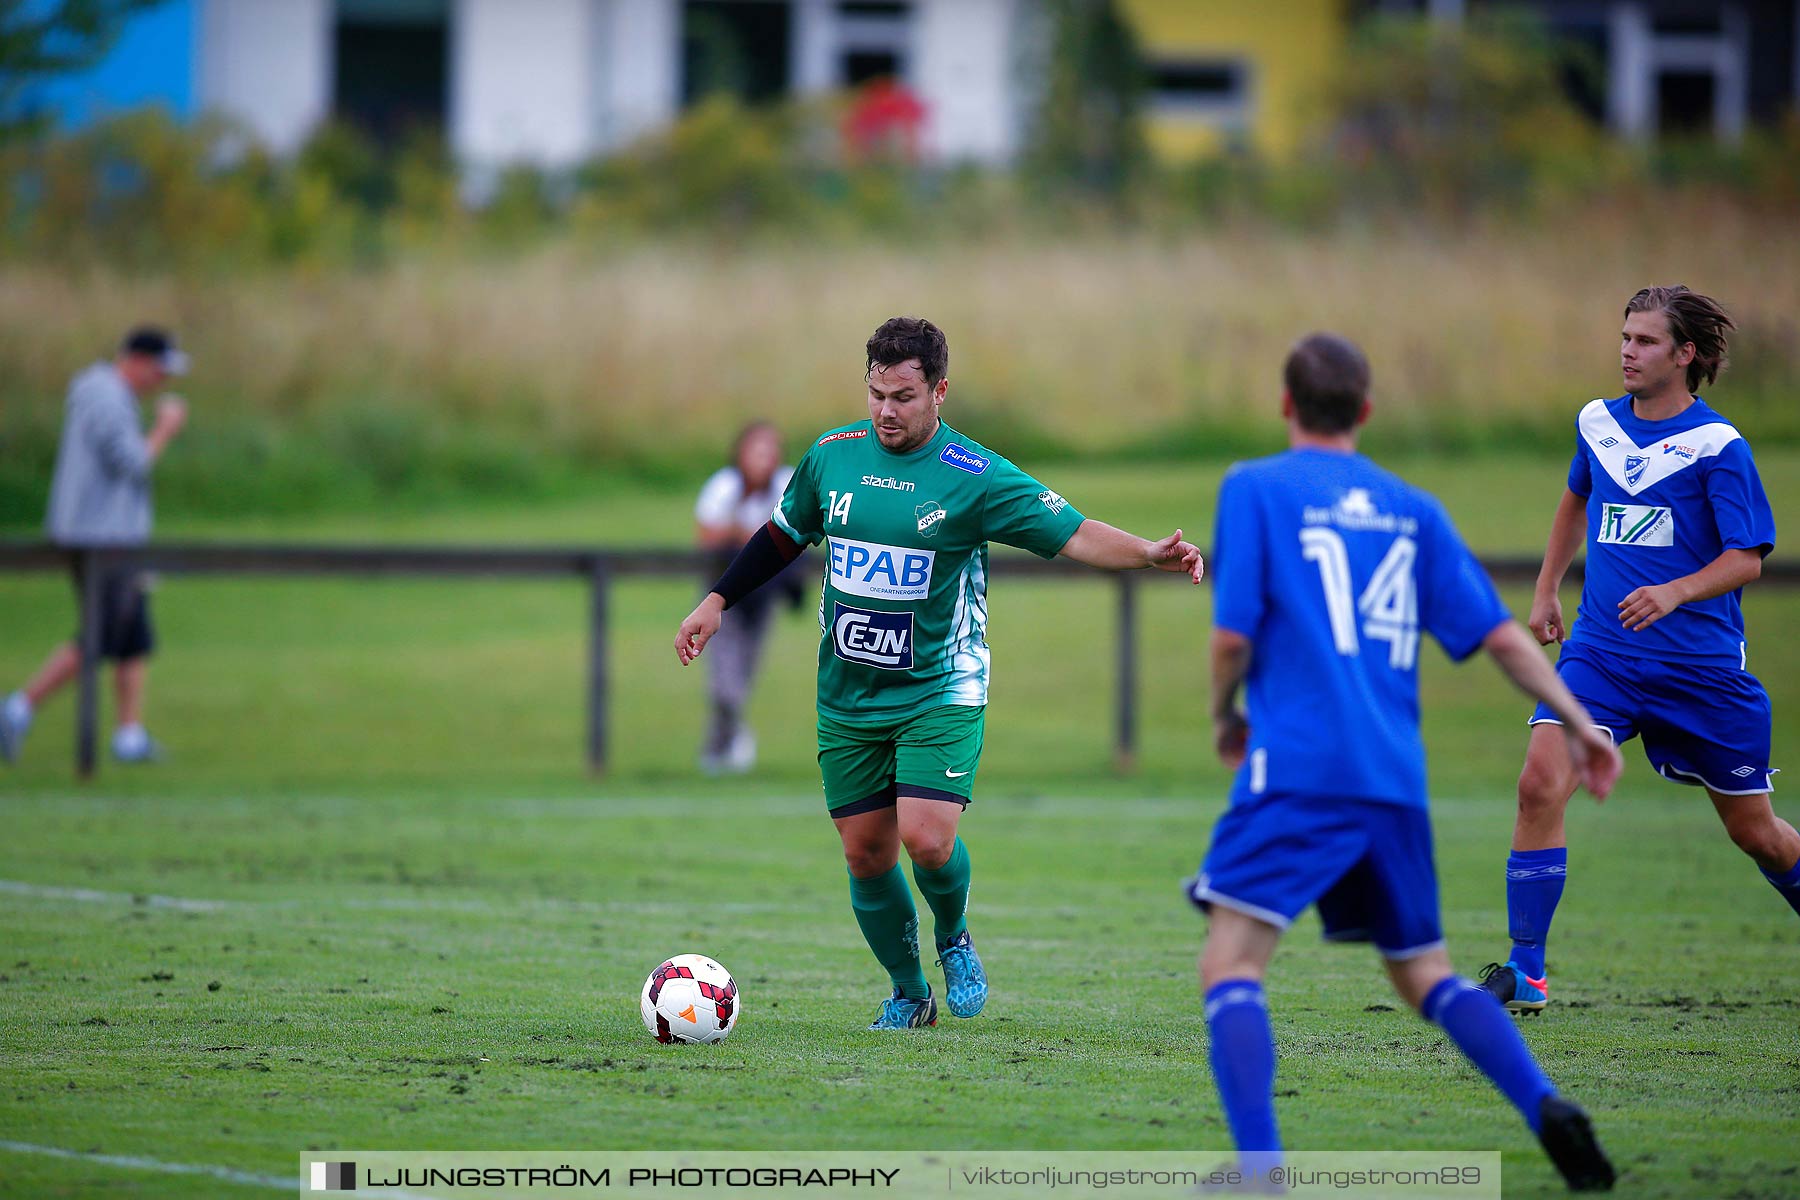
<point x="1461" y="117"/>
<point x="41" y="39"/>
<point x="1089" y="134"/>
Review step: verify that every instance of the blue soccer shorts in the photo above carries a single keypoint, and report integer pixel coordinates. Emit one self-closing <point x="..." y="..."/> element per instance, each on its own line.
<point x="1704" y="726"/>
<point x="1367" y="866"/>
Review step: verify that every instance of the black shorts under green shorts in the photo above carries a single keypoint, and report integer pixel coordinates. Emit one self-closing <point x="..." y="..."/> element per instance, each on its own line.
<point x="932" y="754"/>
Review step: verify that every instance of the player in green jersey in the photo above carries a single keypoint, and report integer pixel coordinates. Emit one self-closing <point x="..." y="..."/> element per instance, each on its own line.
<point x="906" y="507"/>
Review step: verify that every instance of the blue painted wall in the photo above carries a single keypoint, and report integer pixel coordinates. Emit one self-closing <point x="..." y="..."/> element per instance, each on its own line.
<point x="153" y="62"/>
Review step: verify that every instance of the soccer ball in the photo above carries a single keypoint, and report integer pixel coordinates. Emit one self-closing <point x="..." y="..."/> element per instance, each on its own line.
<point x="690" y="998"/>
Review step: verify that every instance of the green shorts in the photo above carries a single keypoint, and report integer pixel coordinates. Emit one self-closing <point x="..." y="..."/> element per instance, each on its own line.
<point x="933" y="754"/>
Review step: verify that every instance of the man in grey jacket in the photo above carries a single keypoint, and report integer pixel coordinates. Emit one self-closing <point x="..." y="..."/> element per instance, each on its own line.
<point x="100" y="496"/>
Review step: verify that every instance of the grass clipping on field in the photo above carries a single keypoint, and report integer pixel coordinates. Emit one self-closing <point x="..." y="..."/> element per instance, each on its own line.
<point x="1092" y="346"/>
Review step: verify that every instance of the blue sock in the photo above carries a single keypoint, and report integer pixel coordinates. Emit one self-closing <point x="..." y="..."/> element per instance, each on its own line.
<point x="1484" y="1033"/>
<point x="1534" y="885"/>
<point x="1243" y="1063"/>
<point x="1788" y="885"/>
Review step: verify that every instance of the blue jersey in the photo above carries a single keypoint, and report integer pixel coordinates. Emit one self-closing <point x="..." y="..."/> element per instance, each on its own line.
<point x="1332" y="566"/>
<point x="1664" y="498"/>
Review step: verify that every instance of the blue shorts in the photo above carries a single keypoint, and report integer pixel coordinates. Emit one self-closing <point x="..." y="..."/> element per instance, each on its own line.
<point x="1367" y="865"/>
<point x="1705" y="726"/>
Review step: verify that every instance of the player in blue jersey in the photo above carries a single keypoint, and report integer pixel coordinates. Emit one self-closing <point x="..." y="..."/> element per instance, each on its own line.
<point x="1327" y="569"/>
<point x="1668" y="499"/>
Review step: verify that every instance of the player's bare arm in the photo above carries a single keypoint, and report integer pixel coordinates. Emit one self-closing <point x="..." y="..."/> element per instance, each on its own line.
<point x="1230" y="653"/>
<point x="1568" y="529"/>
<point x="1097" y="544"/>
<point x="1646" y="606"/>
<point x="1591" y="751"/>
<point x="761" y="559"/>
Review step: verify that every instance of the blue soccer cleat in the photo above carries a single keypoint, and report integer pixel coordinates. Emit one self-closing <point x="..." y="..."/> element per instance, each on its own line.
<point x="897" y="1012"/>
<point x="965" y="983"/>
<point x="1512" y="987"/>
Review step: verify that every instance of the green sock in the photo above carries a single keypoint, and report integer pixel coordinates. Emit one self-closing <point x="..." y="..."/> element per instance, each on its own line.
<point x="890" y="924"/>
<point x="946" y="890"/>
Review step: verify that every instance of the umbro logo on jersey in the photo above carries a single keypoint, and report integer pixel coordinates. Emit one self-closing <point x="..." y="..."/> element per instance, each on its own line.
<point x="1607" y="443"/>
<point x="874" y="639"/>
<point x="1636" y="525"/>
<point x="1635" y="465"/>
<point x="838" y="437"/>
<point x="1744" y="772"/>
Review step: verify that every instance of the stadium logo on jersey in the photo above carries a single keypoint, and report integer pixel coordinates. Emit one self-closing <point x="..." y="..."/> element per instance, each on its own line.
<point x="1636" y="525"/>
<point x="931" y="514"/>
<point x="874" y="639"/>
<point x="964" y="460"/>
<point x="1635" y="465"/>
<point x="889" y="482"/>
<point x="1052" y="501"/>
<point x="838" y="437"/>
<point x="880" y="572"/>
<point x="1686" y="452"/>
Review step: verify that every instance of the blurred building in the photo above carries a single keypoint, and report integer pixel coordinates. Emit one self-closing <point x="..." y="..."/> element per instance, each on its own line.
<point x="552" y="82"/>
<point x="1668" y="66"/>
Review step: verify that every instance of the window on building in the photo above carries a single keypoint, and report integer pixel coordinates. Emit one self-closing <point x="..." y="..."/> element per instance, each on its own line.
<point x="873" y="40"/>
<point x="1213" y="90"/>
<point x="739" y="47"/>
<point x="392" y="65"/>
<point x="1684" y="102"/>
<point x="861" y="66"/>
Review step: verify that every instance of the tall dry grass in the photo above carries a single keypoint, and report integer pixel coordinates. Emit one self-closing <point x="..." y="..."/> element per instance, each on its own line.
<point x="652" y="355"/>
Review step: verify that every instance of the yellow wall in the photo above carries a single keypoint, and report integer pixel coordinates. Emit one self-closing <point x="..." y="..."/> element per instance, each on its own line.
<point x="1289" y="44"/>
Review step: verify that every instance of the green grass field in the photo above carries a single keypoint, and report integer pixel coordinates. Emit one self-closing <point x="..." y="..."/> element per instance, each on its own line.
<point x="371" y="899"/>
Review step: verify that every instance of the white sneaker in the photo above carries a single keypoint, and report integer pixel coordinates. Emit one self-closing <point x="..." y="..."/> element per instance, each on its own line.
<point x="15" y="723"/>
<point x="135" y="746"/>
<point x="741" y="756"/>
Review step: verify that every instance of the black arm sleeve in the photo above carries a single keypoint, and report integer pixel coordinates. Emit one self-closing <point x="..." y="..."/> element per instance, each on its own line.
<point x="761" y="559"/>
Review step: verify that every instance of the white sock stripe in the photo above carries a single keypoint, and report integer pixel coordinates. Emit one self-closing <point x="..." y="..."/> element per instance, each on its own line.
<point x="1241" y="994"/>
<point x="1459" y="986"/>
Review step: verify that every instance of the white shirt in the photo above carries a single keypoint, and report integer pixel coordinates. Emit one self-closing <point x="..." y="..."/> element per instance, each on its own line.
<point x="723" y="500"/>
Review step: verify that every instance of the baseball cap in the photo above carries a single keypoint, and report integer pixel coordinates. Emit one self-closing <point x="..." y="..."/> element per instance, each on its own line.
<point x="158" y="344"/>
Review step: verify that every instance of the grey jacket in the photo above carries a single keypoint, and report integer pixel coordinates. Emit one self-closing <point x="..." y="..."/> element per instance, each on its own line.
<point x="100" y="494"/>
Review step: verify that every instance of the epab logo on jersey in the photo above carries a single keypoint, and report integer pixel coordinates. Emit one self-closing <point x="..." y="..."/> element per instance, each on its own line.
<point x="880" y="572"/>
<point x="874" y="639"/>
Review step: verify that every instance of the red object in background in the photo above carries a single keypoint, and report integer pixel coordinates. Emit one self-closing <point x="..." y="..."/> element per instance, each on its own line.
<point x="885" y="119"/>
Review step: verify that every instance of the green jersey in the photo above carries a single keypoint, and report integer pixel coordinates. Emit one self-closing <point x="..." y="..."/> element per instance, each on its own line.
<point x="903" y="610"/>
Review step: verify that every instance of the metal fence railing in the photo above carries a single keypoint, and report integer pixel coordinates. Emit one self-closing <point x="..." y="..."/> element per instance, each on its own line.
<point x="598" y="567"/>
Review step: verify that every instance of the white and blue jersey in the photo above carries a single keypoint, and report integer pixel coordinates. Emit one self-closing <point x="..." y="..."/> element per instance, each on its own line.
<point x="1664" y="499"/>
<point x="1333" y="567"/>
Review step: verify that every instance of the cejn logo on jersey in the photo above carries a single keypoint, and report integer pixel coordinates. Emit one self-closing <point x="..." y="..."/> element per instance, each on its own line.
<point x="874" y="639"/>
<point x="880" y="572"/>
<point x="1636" y="525"/>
